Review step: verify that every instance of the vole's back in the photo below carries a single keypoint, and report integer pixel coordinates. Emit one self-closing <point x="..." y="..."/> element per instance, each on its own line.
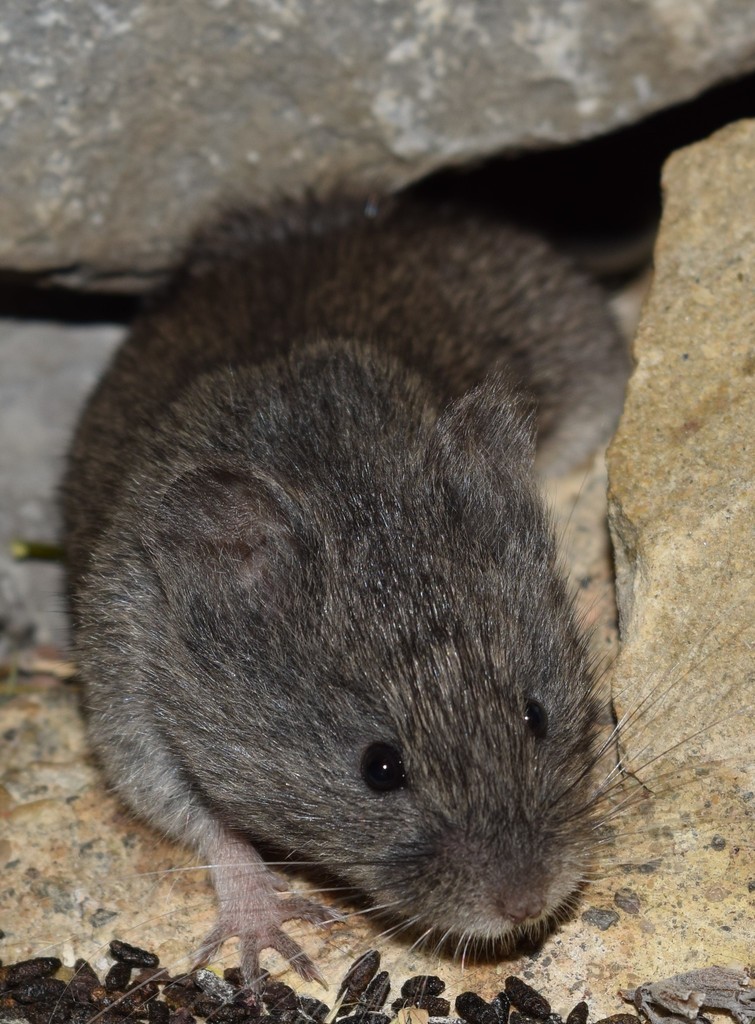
<point x="453" y="297"/>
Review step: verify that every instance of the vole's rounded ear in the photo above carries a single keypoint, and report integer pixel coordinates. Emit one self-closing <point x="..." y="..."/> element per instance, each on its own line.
<point x="489" y="431"/>
<point x="211" y="520"/>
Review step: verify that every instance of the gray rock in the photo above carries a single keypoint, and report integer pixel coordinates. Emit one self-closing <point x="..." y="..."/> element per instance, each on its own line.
<point x="47" y="370"/>
<point x="121" y="125"/>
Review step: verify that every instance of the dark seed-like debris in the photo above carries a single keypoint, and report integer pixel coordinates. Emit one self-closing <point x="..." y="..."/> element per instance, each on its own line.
<point x="204" y="1006"/>
<point x="285" y="1016"/>
<point x="213" y="986"/>
<point x="157" y="1012"/>
<point x="179" y="981"/>
<point x="132" y="955"/>
<point x="526" y="999"/>
<point x="313" y="1009"/>
<point x="619" y="1018"/>
<point x="375" y="1018"/>
<point x="277" y="996"/>
<point x="118" y="977"/>
<point x="366" y="1017"/>
<point x="227" y="1013"/>
<point x="501" y="1004"/>
<point x="83" y="982"/>
<point x="84" y="1014"/>
<point x="181" y="1016"/>
<point x="374" y="996"/>
<point x="434" y="1005"/>
<point x="27" y="970"/>
<point x="578" y="1015"/>
<point x="250" y="1000"/>
<point x="422" y="985"/>
<point x="515" y="1017"/>
<point x="13" y="1012"/>
<point x="118" y="1002"/>
<point x="29" y="994"/>
<point x="180" y="997"/>
<point x="144" y="991"/>
<point x="150" y="975"/>
<point x="358" y="976"/>
<point x="122" y="1004"/>
<point x="46" y="1013"/>
<point x="40" y="990"/>
<point x="474" y="1009"/>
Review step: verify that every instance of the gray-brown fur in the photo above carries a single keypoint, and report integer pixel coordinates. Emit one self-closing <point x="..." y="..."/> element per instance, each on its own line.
<point x="301" y="519"/>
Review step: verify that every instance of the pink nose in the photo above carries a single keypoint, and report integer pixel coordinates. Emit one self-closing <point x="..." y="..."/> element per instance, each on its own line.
<point x="520" y="906"/>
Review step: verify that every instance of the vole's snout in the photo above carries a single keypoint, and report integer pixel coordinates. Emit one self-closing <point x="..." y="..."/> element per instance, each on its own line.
<point x="518" y="907"/>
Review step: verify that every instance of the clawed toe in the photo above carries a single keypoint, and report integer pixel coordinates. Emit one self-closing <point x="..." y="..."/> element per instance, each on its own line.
<point x="259" y="931"/>
<point x="291" y="951"/>
<point x="299" y="908"/>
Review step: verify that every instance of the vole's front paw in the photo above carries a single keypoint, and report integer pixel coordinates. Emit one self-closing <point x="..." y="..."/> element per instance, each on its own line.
<point x="250" y="907"/>
<point x="258" y="928"/>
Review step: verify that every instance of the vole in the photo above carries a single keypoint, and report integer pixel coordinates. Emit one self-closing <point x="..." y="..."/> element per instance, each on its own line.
<point x="316" y="598"/>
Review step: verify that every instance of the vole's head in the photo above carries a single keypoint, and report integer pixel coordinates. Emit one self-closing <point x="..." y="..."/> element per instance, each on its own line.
<point x="379" y="666"/>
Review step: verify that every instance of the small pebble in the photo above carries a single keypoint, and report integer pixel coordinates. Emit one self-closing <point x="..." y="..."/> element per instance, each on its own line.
<point x="627" y="900"/>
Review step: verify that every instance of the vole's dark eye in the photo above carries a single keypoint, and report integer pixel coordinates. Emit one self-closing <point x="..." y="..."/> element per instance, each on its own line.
<point x="536" y="718"/>
<point x="382" y="767"/>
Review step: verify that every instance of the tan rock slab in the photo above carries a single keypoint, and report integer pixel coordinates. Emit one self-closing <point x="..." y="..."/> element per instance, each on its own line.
<point x="682" y="515"/>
